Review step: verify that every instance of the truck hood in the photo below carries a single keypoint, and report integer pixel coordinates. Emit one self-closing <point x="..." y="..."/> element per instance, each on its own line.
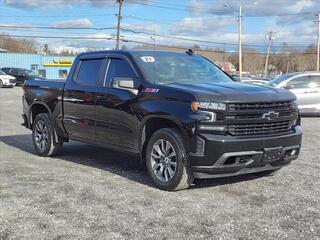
<point x="234" y="92"/>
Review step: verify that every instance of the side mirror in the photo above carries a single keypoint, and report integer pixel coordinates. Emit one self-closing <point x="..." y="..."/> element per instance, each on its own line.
<point x="125" y="84"/>
<point x="288" y="87"/>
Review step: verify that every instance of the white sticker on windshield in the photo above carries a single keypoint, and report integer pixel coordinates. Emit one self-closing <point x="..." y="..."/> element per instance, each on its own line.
<point x="148" y="59"/>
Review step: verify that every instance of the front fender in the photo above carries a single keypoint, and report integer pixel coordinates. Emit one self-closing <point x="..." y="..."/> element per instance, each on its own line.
<point x="179" y="114"/>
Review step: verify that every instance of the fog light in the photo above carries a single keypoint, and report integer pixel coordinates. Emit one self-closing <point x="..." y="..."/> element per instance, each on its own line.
<point x="212" y="128"/>
<point x="293" y="152"/>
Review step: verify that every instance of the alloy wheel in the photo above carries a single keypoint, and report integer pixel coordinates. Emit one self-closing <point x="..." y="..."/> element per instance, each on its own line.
<point x="41" y="135"/>
<point x="163" y="160"/>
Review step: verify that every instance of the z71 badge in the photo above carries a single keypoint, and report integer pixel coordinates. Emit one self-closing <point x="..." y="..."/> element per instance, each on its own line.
<point x="150" y="90"/>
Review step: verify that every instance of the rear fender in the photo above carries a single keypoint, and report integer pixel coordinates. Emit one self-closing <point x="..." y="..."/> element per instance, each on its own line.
<point x="31" y="117"/>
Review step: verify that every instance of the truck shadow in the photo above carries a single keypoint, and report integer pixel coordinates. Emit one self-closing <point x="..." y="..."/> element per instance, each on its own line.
<point x="124" y="165"/>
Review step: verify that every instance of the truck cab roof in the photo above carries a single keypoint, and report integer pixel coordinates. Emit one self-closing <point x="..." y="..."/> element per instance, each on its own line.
<point x="132" y="52"/>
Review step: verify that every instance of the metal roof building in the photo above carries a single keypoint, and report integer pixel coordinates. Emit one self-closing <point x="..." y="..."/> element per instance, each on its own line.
<point x="49" y="66"/>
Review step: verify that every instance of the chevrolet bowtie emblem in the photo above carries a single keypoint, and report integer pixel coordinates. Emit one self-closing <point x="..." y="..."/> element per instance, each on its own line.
<point x="270" y="115"/>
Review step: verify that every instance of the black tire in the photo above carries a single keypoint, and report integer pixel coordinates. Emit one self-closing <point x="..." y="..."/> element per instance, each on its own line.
<point x="182" y="177"/>
<point x="1" y="84"/>
<point x="267" y="173"/>
<point x="51" y="147"/>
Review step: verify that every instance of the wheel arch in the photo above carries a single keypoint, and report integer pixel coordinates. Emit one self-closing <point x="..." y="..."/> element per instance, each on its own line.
<point x="40" y="107"/>
<point x="150" y="125"/>
<point x="36" y="108"/>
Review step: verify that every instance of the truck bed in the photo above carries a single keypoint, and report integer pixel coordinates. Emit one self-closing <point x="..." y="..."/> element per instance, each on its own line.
<point x="53" y="84"/>
<point x="47" y="93"/>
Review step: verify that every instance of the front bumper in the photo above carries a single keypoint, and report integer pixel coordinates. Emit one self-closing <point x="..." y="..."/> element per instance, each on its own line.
<point x="229" y="156"/>
<point x="8" y="84"/>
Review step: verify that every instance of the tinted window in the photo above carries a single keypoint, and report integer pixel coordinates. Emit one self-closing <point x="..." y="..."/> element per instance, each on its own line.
<point x="14" y="71"/>
<point x="120" y="68"/>
<point x="89" y="72"/>
<point x="6" y="70"/>
<point x="63" y="73"/>
<point x="300" y="82"/>
<point x="42" y="73"/>
<point x="28" y="72"/>
<point x="280" y="79"/>
<point x="314" y="81"/>
<point x="166" y="68"/>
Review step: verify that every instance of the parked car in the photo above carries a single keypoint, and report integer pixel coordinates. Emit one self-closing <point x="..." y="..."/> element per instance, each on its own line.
<point x="179" y="112"/>
<point x="306" y="86"/>
<point x="255" y="81"/>
<point x="249" y="79"/>
<point x="22" y="74"/>
<point x="6" y="80"/>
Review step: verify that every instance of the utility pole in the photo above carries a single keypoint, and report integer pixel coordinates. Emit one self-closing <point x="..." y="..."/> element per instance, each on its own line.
<point x="318" y="51"/>
<point x="118" y="25"/>
<point x="269" y="37"/>
<point x="240" y="42"/>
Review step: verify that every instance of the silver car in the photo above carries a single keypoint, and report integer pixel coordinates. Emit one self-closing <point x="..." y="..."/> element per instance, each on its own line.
<point x="306" y="86"/>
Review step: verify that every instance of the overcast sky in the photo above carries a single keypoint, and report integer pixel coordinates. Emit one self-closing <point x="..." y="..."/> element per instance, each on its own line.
<point x="212" y="23"/>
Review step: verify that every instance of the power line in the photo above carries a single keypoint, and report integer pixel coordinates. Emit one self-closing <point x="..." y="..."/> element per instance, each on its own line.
<point x="130" y="16"/>
<point x="145" y="43"/>
<point x="144" y="32"/>
<point x="54" y="28"/>
<point x="220" y="11"/>
<point x="49" y="32"/>
<point x="57" y="37"/>
<point x="214" y="51"/>
<point x="56" y="16"/>
<point x="173" y="7"/>
<point x="202" y="41"/>
<point x="253" y="14"/>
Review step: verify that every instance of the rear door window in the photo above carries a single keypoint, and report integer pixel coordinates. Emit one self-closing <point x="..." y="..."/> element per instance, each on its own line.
<point x="89" y="72"/>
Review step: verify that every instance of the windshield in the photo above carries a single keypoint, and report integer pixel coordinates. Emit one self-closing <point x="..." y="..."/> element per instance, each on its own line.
<point x="2" y="73"/>
<point x="31" y="73"/>
<point x="280" y="79"/>
<point x="166" y="68"/>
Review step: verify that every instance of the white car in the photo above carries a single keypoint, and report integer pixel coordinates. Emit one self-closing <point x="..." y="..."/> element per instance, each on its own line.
<point x="306" y="86"/>
<point x="6" y="80"/>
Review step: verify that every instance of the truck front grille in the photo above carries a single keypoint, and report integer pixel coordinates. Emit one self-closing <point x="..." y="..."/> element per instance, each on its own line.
<point x="262" y="106"/>
<point x="253" y="119"/>
<point x="260" y="128"/>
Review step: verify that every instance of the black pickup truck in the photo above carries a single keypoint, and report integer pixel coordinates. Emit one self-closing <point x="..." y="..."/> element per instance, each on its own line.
<point x="179" y="112"/>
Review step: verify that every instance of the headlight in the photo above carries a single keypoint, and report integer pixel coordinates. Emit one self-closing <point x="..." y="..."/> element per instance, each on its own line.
<point x="208" y="106"/>
<point x="206" y="110"/>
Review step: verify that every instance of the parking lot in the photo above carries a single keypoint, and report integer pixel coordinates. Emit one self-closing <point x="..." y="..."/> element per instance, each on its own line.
<point x="91" y="193"/>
